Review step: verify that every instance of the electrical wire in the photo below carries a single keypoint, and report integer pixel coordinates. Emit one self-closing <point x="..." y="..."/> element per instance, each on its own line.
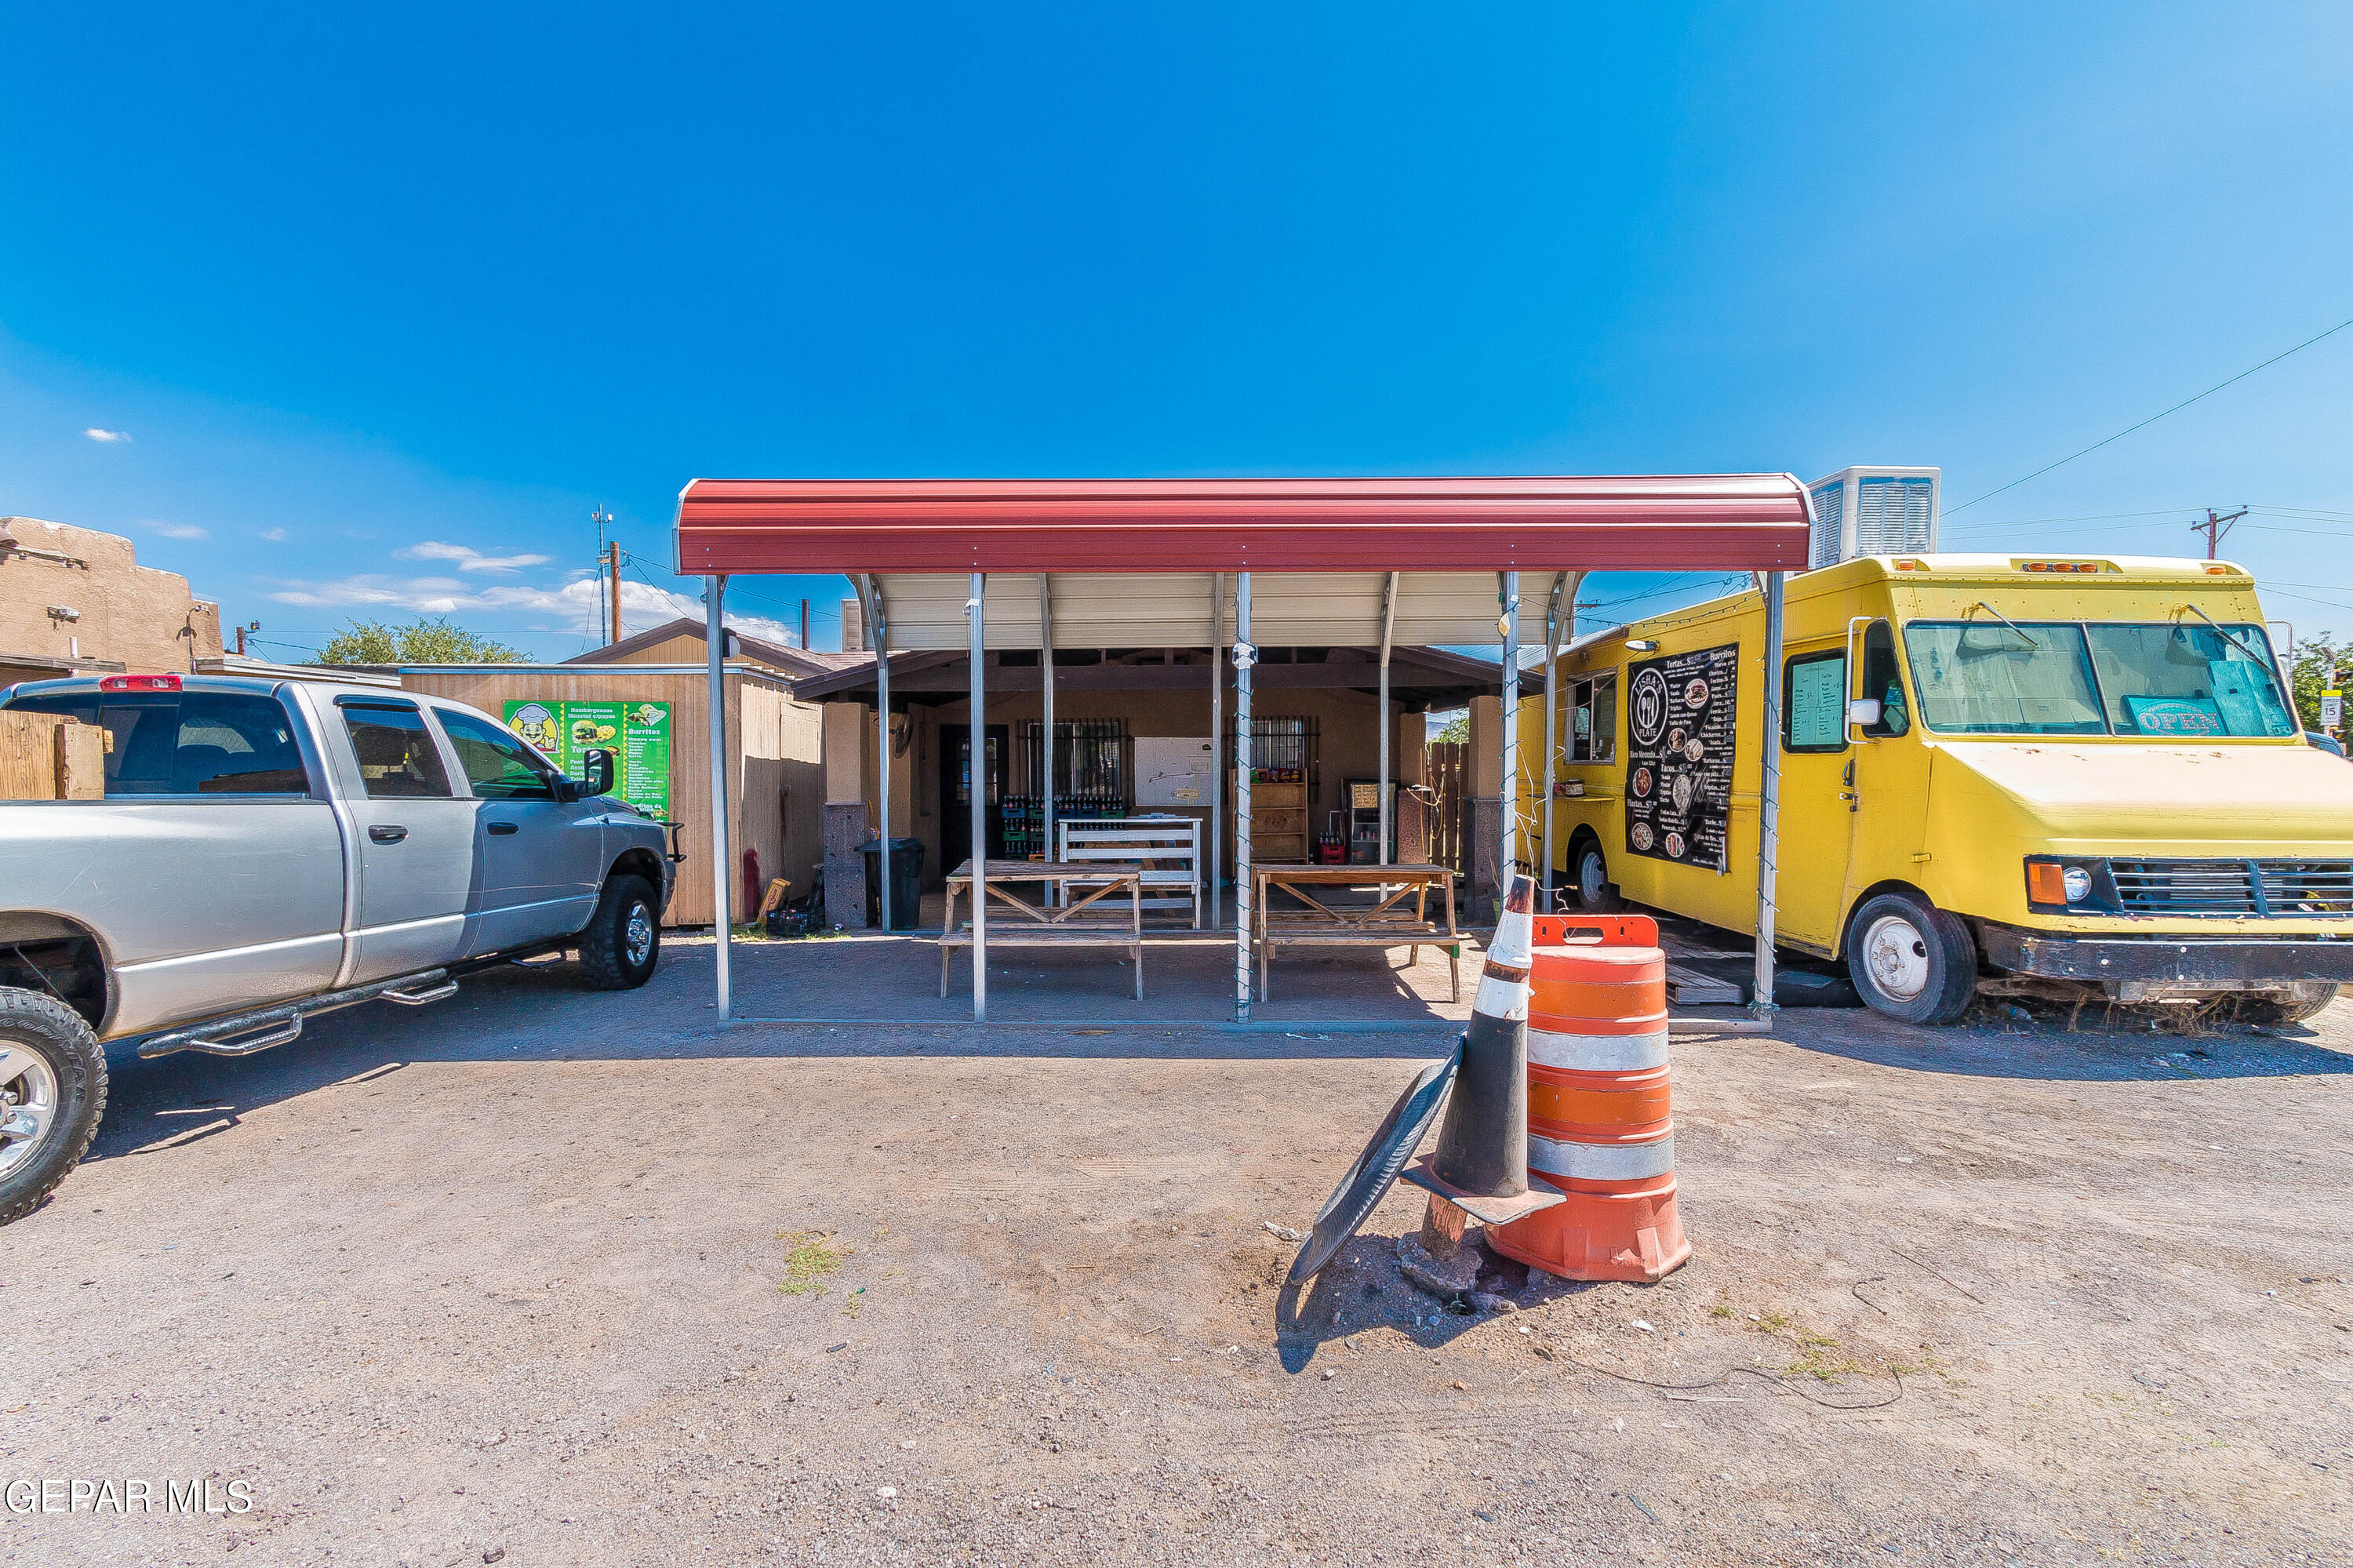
<point x="2153" y="418"/>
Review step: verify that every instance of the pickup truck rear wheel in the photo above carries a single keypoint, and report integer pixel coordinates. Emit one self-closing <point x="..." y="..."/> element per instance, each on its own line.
<point x="623" y="941"/>
<point x="1911" y="959"/>
<point x="52" y="1092"/>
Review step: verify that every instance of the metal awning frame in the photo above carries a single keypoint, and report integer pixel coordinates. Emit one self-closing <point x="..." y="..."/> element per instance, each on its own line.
<point x="1082" y="530"/>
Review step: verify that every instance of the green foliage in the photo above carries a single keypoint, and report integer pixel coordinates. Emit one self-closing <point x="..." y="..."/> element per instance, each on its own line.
<point x="2317" y="661"/>
<point x="1457" y="731"/>
<point x="433" y="640"/>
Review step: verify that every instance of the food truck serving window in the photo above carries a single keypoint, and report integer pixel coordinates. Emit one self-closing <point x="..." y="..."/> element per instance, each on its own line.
<point x="2170" y="679"/>
<point x="1593" y="719"/>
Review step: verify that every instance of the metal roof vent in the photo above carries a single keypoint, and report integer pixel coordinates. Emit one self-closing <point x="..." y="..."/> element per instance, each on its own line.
<point x="1875" y="512"/>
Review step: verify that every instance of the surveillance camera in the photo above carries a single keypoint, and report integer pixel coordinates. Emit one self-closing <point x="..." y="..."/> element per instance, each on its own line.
<point x="63" y="612"/>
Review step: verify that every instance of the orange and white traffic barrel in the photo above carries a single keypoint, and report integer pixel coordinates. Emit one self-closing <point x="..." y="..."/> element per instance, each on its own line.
<point x="1600" y="1117"/>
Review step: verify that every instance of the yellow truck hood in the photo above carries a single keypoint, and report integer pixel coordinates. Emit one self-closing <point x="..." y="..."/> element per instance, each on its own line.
<point x="2194" y="799"/>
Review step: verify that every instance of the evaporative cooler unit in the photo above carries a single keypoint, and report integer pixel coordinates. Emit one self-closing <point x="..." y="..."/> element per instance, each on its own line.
<point x="1875" y="512"/>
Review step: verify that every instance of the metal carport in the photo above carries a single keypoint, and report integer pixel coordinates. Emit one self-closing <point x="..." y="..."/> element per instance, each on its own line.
<point x="985" y="564"/>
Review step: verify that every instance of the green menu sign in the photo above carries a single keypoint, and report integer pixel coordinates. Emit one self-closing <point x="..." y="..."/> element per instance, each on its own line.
<point x="637" y="734"/>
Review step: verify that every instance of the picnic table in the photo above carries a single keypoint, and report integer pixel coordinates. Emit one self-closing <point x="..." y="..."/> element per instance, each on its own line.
<point x="1016" y="922"/>
<point x="1304" y="920"/>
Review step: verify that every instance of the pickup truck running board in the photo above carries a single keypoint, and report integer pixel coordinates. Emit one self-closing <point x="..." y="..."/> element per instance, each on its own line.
<point x="235" y="1035"/>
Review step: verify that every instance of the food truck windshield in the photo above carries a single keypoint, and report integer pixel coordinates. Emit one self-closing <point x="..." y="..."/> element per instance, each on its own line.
<point x="2168" y="680"/>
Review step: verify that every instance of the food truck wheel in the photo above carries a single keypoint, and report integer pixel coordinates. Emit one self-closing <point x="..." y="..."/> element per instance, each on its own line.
<point x="1596" y="893"/>
<point x="2293" y="1003"/>
<point x="1910" y="959"/>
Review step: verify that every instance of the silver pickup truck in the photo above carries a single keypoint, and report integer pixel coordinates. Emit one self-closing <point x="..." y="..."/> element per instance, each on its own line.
<point x="268" y="850"/>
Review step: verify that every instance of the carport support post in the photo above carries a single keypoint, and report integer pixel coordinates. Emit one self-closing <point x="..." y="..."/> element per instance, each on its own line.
<point x="1552" y="710"/>
<point x="714" y="646"/>
<point x="1769" y="802"/>
<point x="1216" y="740"/>
<point x="1388" y="627"/>
<point x="976" y="789"/>
<point x="1510" y="728"/>
<point x="1046" y="749"/>
<point x="877" y="617"/>
<point x="1244" y="657"/>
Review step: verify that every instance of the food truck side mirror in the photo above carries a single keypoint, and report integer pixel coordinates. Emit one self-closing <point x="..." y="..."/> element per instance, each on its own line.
<point x="1863" y="711"/>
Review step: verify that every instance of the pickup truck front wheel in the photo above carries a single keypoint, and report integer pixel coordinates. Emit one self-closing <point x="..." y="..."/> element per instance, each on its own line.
<point x="623" y="941"/>
<point x="52" y="1092"/>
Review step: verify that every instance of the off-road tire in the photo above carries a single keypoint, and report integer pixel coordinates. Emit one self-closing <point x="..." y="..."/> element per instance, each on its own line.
<point x="1929" y="957"/>
<point x="2291" y="1003"/>
<point x="606" y="943"/>
<point x="1594" y="894"/>
<point x="62" y="1041"/>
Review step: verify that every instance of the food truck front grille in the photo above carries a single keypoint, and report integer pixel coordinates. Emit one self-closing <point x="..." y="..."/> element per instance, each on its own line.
<point x="2287" y="889"/>
<point x="2308" y="886"/>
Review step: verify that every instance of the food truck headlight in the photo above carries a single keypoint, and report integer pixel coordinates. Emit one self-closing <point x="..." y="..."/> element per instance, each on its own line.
<point x="2060" y="884"/>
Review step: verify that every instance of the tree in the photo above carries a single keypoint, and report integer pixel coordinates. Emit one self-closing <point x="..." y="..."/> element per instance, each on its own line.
<point x="1457" y="731"/>
<point x="433" y="640"/>
<point x="2317" y="659"/>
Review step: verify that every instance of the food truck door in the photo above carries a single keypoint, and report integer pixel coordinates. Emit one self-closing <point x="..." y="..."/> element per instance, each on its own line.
<point x="1819" y="797"/>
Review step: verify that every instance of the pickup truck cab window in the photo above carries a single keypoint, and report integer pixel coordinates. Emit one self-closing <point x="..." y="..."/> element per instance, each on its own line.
<point x="498" y="765"/>
<point x="396" y="752"/>
<point x="188" y="743"/>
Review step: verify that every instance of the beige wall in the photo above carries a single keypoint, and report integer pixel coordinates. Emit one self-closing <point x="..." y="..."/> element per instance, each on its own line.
<point x="138" y="617"/>
<point x="1348" y="748"/>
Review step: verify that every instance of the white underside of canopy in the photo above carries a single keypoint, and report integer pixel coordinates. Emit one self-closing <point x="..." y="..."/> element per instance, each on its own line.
<point x="1172" y="610"/>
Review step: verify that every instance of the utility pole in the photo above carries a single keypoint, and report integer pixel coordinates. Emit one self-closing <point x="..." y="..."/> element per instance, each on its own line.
<point x="805" y="626"/>
<point x="249" y="626"/>
<point x="609" y="567"/>
<point x="2216" y="528"/>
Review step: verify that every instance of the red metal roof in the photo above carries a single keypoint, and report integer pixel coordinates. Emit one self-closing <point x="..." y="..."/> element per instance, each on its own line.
<point x="1754" y="522"/>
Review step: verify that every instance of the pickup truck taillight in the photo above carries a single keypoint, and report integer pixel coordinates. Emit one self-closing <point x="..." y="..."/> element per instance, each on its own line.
<point x="139" y="684"/>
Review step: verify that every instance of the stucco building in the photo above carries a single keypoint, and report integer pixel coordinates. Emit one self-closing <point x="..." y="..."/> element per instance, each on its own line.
<point x="74" y="600"/>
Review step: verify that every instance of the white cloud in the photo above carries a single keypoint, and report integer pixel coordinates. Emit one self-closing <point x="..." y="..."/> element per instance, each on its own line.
<point x="179" y="530"/>
<point x="578" y="606"/>
<point x="469" y="559"/>
<point x="98" y="434"/>
<point x="275" y="536"/>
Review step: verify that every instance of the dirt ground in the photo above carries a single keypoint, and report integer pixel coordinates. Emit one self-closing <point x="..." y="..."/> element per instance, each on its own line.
<point x="537" y="1276"/>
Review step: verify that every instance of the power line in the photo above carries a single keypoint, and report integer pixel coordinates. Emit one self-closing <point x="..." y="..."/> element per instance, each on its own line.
<point x="2153" y="418"/>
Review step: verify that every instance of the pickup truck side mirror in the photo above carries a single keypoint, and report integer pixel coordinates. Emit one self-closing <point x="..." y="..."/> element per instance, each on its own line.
<point x="597" y="773"/>
<point x="1863" y="711"/>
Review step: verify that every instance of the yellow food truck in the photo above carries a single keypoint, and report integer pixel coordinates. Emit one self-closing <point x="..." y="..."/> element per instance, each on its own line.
<point x="2006" y="774"/>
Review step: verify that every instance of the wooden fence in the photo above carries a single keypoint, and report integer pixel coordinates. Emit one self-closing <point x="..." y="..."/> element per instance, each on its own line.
<point x="1449" y="774"/>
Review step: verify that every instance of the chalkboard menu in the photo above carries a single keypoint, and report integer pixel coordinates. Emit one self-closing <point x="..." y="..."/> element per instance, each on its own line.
<point x="1679" y="721"/>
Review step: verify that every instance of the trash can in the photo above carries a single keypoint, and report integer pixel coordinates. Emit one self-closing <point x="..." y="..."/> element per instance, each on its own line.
<point x="907" y="882"/>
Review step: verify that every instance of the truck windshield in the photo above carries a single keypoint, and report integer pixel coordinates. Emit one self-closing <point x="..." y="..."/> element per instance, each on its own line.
<point x="2168" y="679"/>
<point x="2178" y="678"/>
<point x="1999" y="677"/>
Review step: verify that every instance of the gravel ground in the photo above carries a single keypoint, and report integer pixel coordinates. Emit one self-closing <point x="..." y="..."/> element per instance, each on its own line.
<point x="542" y="1276"/>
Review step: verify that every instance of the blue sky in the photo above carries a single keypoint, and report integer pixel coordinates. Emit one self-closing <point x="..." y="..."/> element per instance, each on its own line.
<point x="386" y="300"/>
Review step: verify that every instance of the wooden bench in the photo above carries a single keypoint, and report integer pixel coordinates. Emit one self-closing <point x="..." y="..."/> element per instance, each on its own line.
<point x="1167" y="849"/>
<point x="1307" y="921"/>
<point x="1014" y="922"/>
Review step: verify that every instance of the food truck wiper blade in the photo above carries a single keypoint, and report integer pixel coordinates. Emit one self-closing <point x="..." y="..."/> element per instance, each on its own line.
<point x="2225" y="631"/>
<point x="2007" y="621"/>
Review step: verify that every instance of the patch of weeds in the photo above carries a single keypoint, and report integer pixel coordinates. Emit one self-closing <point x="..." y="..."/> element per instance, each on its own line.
<point x="856" y="1297"/>
<point x="1722" y="1310"/>
<point x="810" y="1259"/>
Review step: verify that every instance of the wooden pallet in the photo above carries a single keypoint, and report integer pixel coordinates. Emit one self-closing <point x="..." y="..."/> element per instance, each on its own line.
<point x="1689" y="988"/>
